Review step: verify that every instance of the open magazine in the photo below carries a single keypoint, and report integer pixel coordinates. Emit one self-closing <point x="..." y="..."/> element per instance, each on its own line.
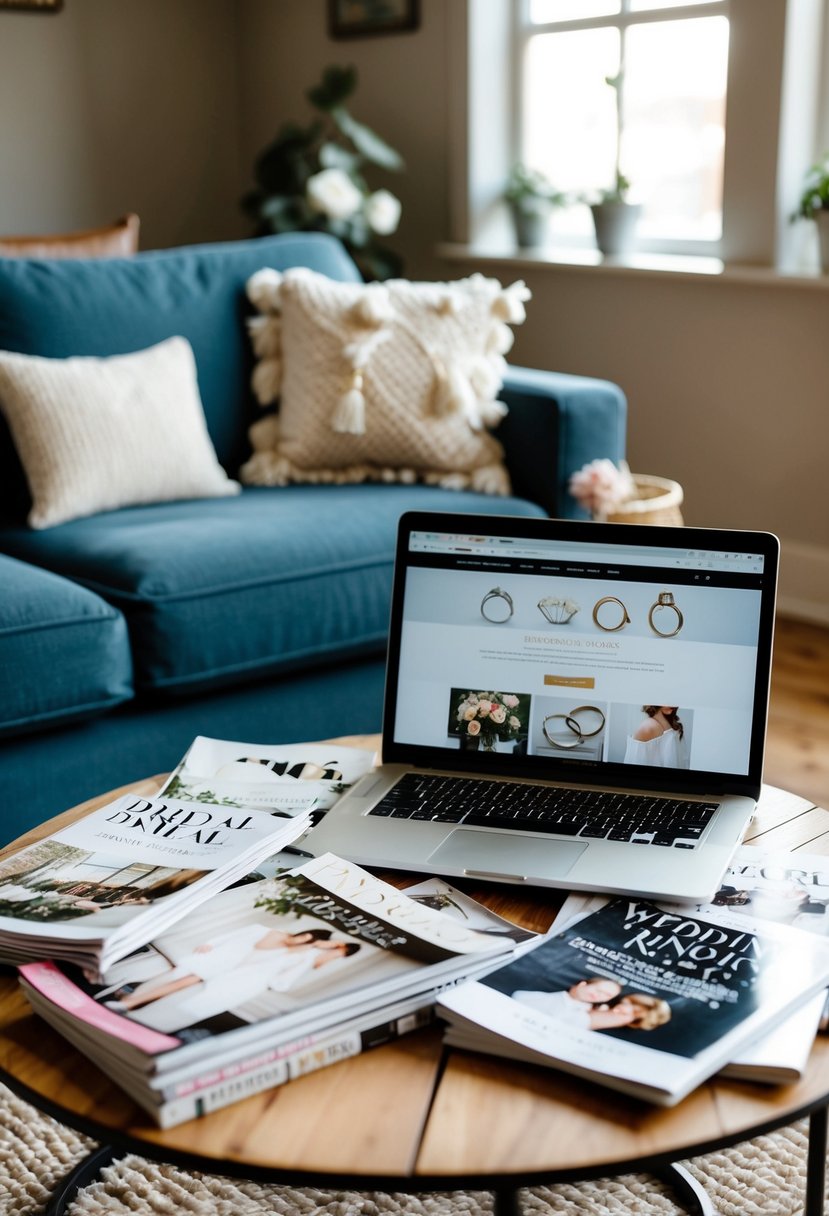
<point x="103" y="886"/>
<point x="643" y="998"/>
<point x="267" y="978"/>
<point x="265" y="775"/>
<point x="788" y="888"/>
<point x="285" y="779"/>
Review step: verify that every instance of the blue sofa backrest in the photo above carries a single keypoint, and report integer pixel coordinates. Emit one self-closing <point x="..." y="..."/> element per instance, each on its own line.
<point x="114" y="306"/>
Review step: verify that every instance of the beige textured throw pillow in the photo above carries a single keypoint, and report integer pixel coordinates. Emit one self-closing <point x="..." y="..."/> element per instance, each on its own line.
<point x="394" y="381"/>
<point x="96" y="434"/>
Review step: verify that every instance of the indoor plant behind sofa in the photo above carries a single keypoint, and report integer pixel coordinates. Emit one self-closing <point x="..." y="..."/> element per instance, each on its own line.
<point x="259" y="617"/>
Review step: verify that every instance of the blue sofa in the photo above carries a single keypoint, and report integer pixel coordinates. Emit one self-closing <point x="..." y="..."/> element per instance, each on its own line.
<point x="260" y="617"/>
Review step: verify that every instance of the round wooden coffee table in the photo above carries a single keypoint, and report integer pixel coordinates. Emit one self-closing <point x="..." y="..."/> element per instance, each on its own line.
<point x="415" y="1116"/>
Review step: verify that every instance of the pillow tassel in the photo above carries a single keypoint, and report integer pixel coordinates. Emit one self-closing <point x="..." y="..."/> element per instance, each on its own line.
<point x="450" y="392"/>
<point x="509" y="303"/>
<point x="350" y="415"/>
<point x="264" y="290"/>
<point x="454" y="394"/>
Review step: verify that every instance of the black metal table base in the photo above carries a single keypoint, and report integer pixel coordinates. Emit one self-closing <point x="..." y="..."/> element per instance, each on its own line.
<point x="506" y="1202"/>
<point x="689" y="1193"/>
<point x="85" y="1171"/>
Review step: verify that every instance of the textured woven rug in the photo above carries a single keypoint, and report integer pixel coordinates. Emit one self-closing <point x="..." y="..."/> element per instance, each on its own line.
<point x="766" y="1175"/>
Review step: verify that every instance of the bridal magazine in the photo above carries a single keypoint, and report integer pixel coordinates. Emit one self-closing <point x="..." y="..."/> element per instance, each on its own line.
<point x="269" y="980"/>
<point x="109" y="882"/>
<point x="791" y="889"/>
<point x="644" y="998"/>
<point x="285" y="778"/>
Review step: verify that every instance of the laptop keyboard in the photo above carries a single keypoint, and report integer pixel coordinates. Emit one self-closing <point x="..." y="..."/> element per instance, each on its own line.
<point x="588" y="814"/>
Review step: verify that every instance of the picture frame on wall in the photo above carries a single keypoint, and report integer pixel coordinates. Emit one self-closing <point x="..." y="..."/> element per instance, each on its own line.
<point x="33" y="6"/>
<point x="362" y="18"/>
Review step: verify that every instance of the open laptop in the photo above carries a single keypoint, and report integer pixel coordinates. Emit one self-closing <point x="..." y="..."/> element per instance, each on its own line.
<point x="574" y="705"/>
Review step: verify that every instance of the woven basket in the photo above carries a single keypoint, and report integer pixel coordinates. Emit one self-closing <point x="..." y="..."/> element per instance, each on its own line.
<point x="657" y="501"/>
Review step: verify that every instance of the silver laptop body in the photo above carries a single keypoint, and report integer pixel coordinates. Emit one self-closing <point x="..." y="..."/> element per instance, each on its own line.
<point x="568" y="664"/>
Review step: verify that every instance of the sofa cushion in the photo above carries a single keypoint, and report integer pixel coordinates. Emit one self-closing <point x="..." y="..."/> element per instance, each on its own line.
<point x="225" y="590"/>
<point x="95" y="434"/>
<point x="64" y="653"/>
<point x="393" y="381"/>
<point x="111" y="307"/>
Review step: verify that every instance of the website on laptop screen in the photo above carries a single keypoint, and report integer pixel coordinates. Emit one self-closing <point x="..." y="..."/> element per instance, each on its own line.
<point x="616" y="654"/>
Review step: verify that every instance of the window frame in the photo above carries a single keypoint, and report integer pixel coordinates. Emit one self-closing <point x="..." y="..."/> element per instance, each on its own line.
<point x="756" y="201"/>
<point x="524" y="30"/>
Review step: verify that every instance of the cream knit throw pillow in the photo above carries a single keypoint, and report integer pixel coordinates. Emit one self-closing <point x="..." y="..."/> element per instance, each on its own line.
<point x="95" y="434"/>
<point x="392" y="381"/>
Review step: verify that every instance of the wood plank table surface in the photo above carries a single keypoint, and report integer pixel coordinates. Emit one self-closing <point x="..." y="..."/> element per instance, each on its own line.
<point x="414" y="1116"/>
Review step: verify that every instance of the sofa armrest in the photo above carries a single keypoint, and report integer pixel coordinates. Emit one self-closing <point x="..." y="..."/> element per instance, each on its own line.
<point x="557" y="423"/>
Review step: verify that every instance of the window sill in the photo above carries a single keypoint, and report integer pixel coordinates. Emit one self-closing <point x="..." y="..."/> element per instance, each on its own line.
<point x="589" y="261"/>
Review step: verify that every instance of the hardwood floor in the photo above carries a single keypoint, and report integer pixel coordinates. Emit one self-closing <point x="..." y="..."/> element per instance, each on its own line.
<point x="797" y="752"/>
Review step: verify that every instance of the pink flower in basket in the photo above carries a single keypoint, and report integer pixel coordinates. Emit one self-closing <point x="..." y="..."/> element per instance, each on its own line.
<point x="600" y="487"/>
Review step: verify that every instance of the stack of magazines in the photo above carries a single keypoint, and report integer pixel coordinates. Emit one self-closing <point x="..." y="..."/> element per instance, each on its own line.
<point x="652" y="999"/>
<point x="98" y="889"/>
<point x="269" y="980"/>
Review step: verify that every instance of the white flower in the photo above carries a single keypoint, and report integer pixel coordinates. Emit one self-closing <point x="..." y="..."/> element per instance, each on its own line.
<point x="334" y="194"/>
<point x="382" y="211"/>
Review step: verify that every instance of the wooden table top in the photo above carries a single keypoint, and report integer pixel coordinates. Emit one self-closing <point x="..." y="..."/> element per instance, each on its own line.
<point x="412" y="1114"/>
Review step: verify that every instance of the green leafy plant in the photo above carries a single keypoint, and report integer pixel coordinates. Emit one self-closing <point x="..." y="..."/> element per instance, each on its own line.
<point x="618" y="192"/>
<point x="286" y="897"/>
<point x="311" y="179"/>
<point x="526" y="185"/>
<point x="815" y="195"/>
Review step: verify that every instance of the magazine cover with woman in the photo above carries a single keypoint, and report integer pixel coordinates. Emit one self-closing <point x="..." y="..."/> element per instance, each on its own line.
<point x="104" y="885"/>
<point x="269" y="959"/>
<point x="646" y="999"/>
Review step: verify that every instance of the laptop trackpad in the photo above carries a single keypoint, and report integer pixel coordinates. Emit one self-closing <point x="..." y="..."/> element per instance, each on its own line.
<point x="507" y="855"/>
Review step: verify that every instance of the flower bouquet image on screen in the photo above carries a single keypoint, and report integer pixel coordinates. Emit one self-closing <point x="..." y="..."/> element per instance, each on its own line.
<point x="488" y="719"/>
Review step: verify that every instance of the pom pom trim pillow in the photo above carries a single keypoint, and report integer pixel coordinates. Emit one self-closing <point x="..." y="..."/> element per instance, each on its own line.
<point x="393" y="381"/>
<point x="95" y="434"/>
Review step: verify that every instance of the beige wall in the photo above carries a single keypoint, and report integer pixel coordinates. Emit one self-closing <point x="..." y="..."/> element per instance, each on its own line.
<point x="121" y="105"/>
<point x="401" y="93"/>
<point x="161" y="106"/>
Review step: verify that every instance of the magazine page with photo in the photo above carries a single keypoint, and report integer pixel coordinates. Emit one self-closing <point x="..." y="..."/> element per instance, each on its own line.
<point x="286" y="779"/>
<point x="791" y="889"/>
<point x="267" y="960"/>
<point x="644" y="999"/>
<point x="104" y="885"/>
<point x="172" y="1090"/>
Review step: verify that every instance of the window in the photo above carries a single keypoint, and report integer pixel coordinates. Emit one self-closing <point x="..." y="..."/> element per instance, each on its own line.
<point x="661" y="124"/>
<point x="717" y="174"/>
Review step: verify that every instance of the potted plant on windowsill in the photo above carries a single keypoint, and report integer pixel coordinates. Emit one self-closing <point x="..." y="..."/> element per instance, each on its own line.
<point x="531" y="198"/>
<point x="614" y="216"/>
<point x="814" y="205"/>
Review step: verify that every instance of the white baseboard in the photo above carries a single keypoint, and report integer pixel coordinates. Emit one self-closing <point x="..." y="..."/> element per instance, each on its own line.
<point x="803" y="591"/>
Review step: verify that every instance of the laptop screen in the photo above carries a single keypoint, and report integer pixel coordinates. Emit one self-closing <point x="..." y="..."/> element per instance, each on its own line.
<point x="586" y="651"/>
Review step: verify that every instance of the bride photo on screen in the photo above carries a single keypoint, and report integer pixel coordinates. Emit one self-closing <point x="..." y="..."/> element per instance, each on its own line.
<point x="658" y="739"/>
